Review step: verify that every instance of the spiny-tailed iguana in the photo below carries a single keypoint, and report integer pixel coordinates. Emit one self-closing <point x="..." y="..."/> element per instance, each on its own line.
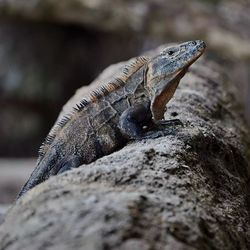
<point x="129" y="106"/>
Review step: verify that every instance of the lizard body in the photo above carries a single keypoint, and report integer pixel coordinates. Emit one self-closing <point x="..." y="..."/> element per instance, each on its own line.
<point x="116" y="112"/>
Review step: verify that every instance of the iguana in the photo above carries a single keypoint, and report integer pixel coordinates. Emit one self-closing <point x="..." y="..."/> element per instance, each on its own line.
<point x="129" y="106"/>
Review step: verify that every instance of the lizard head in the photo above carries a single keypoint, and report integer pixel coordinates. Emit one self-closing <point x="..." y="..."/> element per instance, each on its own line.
<point x="165" y="70"/>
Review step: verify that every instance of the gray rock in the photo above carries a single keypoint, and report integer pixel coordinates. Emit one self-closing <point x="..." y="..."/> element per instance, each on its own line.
<point x="187" y="190"/>
<point x="3" y="210"/>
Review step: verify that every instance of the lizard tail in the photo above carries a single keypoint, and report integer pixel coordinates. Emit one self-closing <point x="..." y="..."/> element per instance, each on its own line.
<point x="47" y="168"/>
<point x="39" y="175"/>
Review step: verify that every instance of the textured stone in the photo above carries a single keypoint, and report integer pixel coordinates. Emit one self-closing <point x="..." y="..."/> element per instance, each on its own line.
<point x="187" y="190"/>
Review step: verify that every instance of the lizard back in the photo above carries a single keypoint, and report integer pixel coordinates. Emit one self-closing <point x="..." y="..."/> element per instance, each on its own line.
<point x="92" y="100"/>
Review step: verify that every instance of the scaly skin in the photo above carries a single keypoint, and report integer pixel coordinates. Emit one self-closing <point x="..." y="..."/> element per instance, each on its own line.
<point x="117" y="112"/>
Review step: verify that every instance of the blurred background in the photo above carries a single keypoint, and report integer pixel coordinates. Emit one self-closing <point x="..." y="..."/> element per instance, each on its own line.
<point x="49" y="48"/>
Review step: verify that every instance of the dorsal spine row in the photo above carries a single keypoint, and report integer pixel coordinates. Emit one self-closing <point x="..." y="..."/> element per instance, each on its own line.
<point x="120" y="80"/>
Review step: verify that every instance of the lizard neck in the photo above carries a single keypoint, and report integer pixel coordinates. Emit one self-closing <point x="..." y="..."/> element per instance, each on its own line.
<point x="161" y="98"/>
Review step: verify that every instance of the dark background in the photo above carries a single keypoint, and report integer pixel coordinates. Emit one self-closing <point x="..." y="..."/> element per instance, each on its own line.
<point x="50" y="48"/>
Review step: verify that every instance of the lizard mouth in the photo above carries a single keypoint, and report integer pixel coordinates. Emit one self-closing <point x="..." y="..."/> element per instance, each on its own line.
<point x="185" y="69"/>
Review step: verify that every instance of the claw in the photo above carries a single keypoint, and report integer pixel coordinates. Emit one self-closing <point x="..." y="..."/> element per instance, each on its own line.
<point x="174" y="122"/>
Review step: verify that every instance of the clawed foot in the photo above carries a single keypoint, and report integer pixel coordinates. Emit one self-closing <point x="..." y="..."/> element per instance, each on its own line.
<point x="157" y="134"/>
<point x="161" y="128"/>
<point x="167" y="123"/>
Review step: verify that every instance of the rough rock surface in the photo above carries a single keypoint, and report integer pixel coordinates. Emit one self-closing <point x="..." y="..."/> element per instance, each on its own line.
<point x="187" y="190"/>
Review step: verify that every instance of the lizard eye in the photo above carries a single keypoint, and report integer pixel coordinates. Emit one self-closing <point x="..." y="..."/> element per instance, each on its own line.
<point x="170" y="52"/>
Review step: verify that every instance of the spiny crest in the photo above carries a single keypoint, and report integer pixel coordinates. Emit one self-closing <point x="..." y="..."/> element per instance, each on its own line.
<point x="118" y="81"/>
<point x="133" y="65"/>
<point x="47" y="142"/>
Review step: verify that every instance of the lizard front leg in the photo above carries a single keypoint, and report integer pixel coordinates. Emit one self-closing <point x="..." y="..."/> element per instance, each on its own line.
<point x="135" y="118"/>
